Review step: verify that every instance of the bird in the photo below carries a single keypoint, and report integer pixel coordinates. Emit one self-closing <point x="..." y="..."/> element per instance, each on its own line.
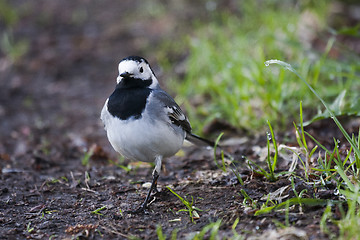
<point x="142" y="121"/>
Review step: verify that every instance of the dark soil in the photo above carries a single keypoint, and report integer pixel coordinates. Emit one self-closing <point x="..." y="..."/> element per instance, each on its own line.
<point x="50" y="101"/>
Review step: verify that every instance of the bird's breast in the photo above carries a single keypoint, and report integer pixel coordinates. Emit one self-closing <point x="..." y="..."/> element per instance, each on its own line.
<point x="127" y="103"/>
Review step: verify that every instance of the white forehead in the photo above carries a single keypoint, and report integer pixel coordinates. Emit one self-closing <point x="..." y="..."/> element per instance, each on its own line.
<point x="133" y="67"/>
<point x="128" y="66"/>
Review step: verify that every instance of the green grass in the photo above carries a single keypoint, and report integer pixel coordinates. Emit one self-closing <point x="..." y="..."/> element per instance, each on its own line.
<point x="190" y="208"/>
<point x="270" y="160"/>
<point x="226" y="79"/>
<point x="29" y="228"/>
<point x="12" y="48"/>
<point x="350" y="140"/>
<point x="98" y="210"/>
<point x="209" y="231"/>
<point x="223" y="165"/>
<point x="345" y="172"/>
<point x="85" y="160"/>
<point x="342" y="169"/>
<point x="248" y="201"/>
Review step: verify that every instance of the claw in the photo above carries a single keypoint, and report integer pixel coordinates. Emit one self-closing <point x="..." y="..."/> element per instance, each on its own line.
<point x="141" y="210"/>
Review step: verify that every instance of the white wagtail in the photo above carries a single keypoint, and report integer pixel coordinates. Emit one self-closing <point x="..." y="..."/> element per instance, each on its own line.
<point x="142" y="121"/>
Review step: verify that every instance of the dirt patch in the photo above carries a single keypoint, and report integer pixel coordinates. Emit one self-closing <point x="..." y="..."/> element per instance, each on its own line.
<point x="43" y="197"/>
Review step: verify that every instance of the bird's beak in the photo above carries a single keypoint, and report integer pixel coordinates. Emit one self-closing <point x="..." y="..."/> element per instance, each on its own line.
<point x="125" y="74"/>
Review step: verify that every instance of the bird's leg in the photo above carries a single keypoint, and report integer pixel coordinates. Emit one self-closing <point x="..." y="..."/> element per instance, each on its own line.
<point x="156" y="172"/>
<point x="153" y="186"/>
<point x="143" y="207"/>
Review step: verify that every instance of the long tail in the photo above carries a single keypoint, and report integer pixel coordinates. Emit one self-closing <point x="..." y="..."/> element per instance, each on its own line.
<point x="195" y="139"/>
<point x="199" y="140"/>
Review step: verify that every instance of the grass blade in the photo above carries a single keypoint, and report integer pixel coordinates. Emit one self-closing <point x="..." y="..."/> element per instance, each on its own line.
<point x="294" y="201"/>
<point x="333" y="117"/>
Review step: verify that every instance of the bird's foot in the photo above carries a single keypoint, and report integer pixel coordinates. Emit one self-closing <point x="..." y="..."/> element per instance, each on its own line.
<point x="143" y="209"/>
<point x="155" y="191"/>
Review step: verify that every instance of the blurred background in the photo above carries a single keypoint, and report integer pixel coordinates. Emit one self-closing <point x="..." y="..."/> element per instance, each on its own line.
<point x="58" y="64"/>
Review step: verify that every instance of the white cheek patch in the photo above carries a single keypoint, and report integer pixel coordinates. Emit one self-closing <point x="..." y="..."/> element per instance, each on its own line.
<point x="118" y="79"/>
<point x="145" y="75"/>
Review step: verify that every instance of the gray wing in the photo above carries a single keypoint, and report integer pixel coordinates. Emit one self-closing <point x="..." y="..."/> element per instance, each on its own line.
<point x="174" y="112"/>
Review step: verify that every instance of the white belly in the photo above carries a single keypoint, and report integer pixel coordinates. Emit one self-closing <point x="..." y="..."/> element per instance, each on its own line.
<point x="143" y="140"/>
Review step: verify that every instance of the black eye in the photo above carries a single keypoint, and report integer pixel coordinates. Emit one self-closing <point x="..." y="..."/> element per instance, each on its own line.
<point x="141" y="70"/>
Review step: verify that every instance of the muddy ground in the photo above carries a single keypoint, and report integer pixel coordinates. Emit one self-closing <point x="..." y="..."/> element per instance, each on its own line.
<point x="50" y="100"/>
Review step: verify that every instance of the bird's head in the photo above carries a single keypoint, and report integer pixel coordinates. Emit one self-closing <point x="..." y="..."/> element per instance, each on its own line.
<point x="134" y="72"/>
